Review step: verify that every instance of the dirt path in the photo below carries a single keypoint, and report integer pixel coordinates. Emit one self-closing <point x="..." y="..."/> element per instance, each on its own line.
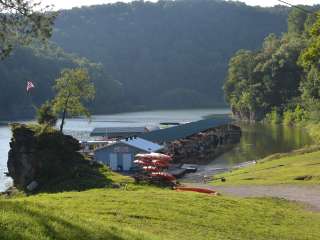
<point x="309" y="195"/>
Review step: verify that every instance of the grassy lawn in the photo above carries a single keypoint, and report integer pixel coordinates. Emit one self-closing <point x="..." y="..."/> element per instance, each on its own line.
<point x="301" y="167"/>
<point x="144" y="212"/>
<point x="152" y="213"/>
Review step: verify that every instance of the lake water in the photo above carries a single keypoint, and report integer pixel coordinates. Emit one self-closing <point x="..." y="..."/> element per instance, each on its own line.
<point x="4" y="148"/>
<point x="258" y="140"/>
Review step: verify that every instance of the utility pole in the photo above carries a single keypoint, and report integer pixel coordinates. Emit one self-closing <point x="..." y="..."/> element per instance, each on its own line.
<point x="298" y="7"/>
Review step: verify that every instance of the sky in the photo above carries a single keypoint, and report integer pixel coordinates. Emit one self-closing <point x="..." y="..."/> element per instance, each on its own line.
<point x="67" y="4"/>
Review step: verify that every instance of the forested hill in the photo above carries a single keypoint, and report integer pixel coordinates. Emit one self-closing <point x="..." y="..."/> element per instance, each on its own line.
<point x="170" y="53"/>
<point x="42" y="66"/>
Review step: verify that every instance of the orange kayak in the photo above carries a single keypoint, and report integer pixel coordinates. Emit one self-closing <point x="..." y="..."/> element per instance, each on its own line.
<point x="199" y="190"/>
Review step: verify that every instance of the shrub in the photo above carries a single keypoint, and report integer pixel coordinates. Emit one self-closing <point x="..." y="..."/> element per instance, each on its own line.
<point x="45" y="115"/>
<point x="314" y="131"/>
<point x="273" y="117"/>
<point x="288" y="118"/>
<point x="297" y="116"/>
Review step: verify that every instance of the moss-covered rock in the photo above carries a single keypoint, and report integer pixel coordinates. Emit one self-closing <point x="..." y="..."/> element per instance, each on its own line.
<point x="41" y="154"/>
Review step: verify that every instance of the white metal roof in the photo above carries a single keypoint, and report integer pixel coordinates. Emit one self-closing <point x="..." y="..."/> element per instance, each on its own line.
<point x="139" y="143"/>
<point x="143" y="144"/>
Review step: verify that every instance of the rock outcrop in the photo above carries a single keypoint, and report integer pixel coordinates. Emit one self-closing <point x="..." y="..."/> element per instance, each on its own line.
<point x="39" y="155"/>
<point x="205" y="146"/>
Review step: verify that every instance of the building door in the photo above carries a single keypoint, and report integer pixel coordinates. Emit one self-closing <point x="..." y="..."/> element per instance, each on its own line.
<point x="113" y="161"/>
<point x="127" y="162"/>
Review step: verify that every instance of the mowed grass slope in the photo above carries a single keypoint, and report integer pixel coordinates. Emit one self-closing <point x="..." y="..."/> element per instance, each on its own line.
<point x="300" y="167"/>
<point x="152" y="213"/>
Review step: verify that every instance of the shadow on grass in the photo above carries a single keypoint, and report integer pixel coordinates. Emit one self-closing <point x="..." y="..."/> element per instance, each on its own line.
<point x="35" y="224"/>
<point x="83" y="176"/>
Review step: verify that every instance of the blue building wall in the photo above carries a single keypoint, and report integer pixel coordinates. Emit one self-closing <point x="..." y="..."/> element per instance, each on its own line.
<point x="121" y="151"/>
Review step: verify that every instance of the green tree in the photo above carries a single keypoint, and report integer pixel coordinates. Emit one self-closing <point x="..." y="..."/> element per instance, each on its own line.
<point x="260" y="81"/>
<point x="45" y="115"/>
<point x="311" y="55"/>
<point x="269" y="83"/>
<point x="239" y="74"/>
<point x="296" y="21"/>
<point x="309" y="60"/>
<point x="21" y="22"/>
<point x="73" y="88"/>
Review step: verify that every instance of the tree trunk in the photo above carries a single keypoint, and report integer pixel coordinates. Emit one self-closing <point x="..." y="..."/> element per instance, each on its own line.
<point x="63" y="119"/>
<point x="64" y="114"/>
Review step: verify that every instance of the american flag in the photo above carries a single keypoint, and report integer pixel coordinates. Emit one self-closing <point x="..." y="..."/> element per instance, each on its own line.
<point x="30" y="85"/>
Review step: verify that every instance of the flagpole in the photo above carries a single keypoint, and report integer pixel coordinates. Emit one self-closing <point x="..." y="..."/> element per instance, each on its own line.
<point x="30" y="86"/>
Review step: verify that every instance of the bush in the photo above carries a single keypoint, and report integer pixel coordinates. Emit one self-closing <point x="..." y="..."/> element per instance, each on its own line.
<point x="288" y="118"/>
<point x="313" y="107"/>
<point x="274" y="117"/>
<point x="45" y="115"/>
<point x="314" y="131"/>
<point x="297" y="116"/>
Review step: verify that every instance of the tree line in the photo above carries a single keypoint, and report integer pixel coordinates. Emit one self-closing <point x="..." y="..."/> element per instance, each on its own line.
<point x="279" y="82"/>
<point x="140" y="55"/>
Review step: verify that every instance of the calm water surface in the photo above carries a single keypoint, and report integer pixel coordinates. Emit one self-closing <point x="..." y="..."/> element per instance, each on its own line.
<point x="258" y="140"/>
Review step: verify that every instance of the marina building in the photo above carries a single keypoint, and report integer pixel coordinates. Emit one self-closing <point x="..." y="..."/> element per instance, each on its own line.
<point x="119" y="156"/>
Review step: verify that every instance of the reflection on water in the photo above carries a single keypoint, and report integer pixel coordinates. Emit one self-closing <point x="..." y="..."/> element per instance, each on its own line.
<point x="258" y="141"/>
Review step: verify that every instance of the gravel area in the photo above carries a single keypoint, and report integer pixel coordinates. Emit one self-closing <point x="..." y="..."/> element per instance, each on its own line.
<point x="309" y="195"/>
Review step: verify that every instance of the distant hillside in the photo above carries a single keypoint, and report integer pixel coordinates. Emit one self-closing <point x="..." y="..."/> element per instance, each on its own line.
<point x="153" y="55"/>
<point x="42" y="66"/>
<point x="168" y="54"/>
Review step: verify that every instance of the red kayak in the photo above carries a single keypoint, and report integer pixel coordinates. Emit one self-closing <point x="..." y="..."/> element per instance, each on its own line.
<point x="151" y="156"/>
<point x="151" y="169"/>
<point x="142" y="163"/>
<point x="163" y="175"/>
<point x="199" y="190"/>
<point x="160" y="163"/>
<point x="157" y="163"/>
